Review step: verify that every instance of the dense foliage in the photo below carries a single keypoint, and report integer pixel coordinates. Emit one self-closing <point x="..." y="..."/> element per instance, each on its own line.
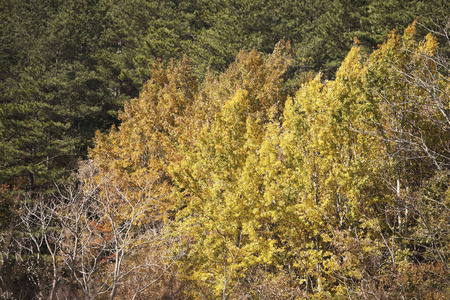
<point x="328" y="193"/>
<point x="312" y="167"/>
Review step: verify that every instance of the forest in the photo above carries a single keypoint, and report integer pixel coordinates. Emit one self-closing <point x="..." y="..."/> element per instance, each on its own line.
<point x="224" y="149"/>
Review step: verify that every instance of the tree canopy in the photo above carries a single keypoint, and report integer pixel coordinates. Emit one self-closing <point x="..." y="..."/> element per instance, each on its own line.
<point x="224" y="149"/>
<point x="328" y="186"/>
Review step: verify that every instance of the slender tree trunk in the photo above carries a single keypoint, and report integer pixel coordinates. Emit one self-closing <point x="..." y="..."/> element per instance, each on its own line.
<point x="54" y="277"/>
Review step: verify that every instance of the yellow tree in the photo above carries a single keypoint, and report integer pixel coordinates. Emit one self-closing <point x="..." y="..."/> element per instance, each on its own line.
<point x="154" y="127"/>
<point x="407" y="82"/>
<point x="222" y="221"/>
<point x="331" y="169"/>
<point x="131" y="173"/>
<point x="353" y="148"/>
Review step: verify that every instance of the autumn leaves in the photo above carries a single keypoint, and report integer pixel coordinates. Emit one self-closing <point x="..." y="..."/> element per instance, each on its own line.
<point x="259" y="180"/>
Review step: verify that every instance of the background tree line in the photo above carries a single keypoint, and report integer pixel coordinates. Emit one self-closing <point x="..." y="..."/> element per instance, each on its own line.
<point x="244" y="173"/>
<point x="68" y="67"/>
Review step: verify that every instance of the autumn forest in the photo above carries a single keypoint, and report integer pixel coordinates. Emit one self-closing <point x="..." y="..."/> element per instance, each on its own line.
<point x="222" y="149"/>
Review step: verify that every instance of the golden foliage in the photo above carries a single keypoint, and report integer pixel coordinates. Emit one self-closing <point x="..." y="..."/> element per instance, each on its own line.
<point x="316" y="187"/>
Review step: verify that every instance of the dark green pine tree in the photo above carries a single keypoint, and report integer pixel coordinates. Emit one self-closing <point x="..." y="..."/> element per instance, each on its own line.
<point x="229" y="26"/>
<point x="54" y="98"/>
<point x="332" y="34"/>
<point x="24" y="128"/>
<point x="141" y="33"/>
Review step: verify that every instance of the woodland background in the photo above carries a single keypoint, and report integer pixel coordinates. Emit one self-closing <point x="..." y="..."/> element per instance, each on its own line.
<point x="224" y="149"/>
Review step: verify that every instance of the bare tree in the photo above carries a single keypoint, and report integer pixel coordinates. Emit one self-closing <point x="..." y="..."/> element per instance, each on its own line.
<point x="43" y="234"/>
<point x="101" y="241"/>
